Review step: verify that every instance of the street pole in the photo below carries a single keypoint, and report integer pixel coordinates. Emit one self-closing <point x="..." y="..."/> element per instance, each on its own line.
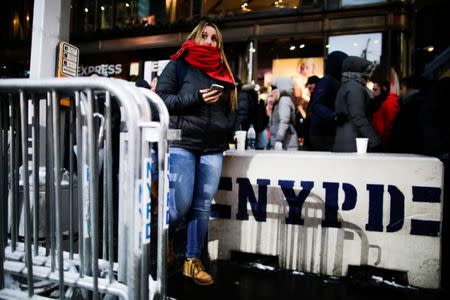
<point x="51" y="25"/>
<point x="250" y="62"/>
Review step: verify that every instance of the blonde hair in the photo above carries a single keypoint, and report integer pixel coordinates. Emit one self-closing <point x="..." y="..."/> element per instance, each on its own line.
<point x="197" y="34"/>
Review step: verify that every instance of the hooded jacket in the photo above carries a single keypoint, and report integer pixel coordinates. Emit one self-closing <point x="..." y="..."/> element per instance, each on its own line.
<point x="322" y="127"/>
<point x="352" y="99"/>
<point x="281" y="123"/>
<point x="247" y="108"/>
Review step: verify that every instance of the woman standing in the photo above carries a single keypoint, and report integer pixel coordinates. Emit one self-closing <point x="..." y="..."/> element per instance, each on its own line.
<point x="202" y="114"/>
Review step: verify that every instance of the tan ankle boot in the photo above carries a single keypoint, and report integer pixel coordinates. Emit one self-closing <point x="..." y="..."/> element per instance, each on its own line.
<point x="194" y="269"/>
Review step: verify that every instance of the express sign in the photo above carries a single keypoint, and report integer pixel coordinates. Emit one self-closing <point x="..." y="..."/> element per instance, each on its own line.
<point x="101" y="70"/>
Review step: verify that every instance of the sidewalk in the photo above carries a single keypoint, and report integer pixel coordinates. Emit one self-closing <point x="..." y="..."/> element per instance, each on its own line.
<point x="254" y="280"/>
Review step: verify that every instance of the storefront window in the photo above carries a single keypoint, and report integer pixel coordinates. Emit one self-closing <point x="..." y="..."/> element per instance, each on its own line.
<point x="296" y="57"/>
<point x="128" y="13"/>
<point x="364" y="45"/>
<point x="222" y="8"/>
<point x="359" y="2"/>
<point x="177" y="10"/>
<point x="109" y="14"/>
<point x="124" y="13"/>
<point x="85" y="16"/>
<point x="106" y="14"/>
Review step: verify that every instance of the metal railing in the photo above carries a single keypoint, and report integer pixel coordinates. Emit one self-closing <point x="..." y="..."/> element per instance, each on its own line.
<point x="59" y="221"/>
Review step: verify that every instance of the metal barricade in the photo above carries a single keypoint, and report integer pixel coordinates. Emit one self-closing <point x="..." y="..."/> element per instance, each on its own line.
<point x="102" y="249"/>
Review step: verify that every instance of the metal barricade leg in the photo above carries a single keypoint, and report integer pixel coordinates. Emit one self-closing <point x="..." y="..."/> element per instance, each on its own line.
<point x="35" y="173"/>
<point x="80" y="182"/>
<point x="92" y="158"/>
<point x="14" y="167"/>
<point x="71" y="177"/>
<point x="57" y="189"/>
<point x="108" y="184"/>
<point x="3" y="189"/>
<point x="26" y="192"/>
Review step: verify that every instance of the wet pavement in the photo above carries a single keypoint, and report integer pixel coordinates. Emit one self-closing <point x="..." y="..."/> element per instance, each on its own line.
<point x="258" y="280"/>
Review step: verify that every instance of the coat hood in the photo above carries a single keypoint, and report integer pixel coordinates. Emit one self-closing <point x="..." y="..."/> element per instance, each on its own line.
<point x="284" y="84"/>
<point x="333" y="63"/>
<point x="357" y="64"/>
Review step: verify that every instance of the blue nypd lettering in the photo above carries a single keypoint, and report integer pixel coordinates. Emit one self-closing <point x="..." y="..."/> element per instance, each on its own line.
<point x="295" y="202"/>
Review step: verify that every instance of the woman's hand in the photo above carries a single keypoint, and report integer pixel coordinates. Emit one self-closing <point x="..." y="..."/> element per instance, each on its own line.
<point x="210" y="96"/>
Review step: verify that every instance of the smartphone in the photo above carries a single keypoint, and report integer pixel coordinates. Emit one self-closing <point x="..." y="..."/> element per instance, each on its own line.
<point x="216" y="87"/>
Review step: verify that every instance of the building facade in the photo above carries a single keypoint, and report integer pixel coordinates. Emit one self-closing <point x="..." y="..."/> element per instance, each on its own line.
<point x="258" y="34"/>
<point x="118" y="36"/>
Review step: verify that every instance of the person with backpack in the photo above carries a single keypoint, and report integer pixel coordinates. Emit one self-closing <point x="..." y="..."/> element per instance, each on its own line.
<point x="199" y="103"/>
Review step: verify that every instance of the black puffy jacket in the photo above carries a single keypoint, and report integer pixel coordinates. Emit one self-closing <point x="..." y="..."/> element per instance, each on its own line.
<point x="204" y="127"/>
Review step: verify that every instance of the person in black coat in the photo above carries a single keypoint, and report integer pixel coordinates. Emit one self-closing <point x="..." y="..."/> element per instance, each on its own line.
<point x="322" y="116"/>
<point x="407" y="129"/>
<point x="202" y="115"/>
<point x="352" y="100"/>
<point x="247" y="106"/>
<point x="251" y="111"/>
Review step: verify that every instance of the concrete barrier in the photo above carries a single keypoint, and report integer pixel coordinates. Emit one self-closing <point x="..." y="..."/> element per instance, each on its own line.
<point x="320" y="212"/>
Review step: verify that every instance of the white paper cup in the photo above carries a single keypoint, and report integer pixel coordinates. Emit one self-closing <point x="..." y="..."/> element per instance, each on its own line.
<point x="240" y="136"/>
<point x="361" y="145"/>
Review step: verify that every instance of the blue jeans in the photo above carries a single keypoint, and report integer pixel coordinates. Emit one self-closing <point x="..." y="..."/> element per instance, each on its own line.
<point x="193" y="182"/>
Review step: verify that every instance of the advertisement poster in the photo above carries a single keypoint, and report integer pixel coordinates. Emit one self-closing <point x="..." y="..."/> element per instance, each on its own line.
<point x="299" y="69"/>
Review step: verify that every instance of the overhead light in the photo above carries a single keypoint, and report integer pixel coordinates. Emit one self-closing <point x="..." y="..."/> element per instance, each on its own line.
<point x="355" y="44"/>
<point x="127" y="4"/>
<point x="278" y="4"/>
<point x="428" y="48"/>
<point x="244" y="5"/>
<point x="301" y="46"/>
<point x="376" y="41"/>
<point x="86" y="10"/>
<point x="291" y="44"/>
<point x="327" y="46"/>
<point x="102" y="8"/>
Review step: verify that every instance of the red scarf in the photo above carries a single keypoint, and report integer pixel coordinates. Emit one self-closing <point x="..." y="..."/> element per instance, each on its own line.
<point x="205" y="58"/>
